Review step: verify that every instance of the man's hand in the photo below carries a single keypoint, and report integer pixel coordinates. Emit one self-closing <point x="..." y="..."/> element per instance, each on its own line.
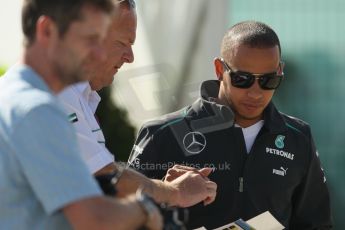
<point x="178" y="170"/>
<point x="191" y="185"/>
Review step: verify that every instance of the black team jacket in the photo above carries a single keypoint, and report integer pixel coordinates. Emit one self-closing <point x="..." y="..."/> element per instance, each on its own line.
<point x="281" y="174"/>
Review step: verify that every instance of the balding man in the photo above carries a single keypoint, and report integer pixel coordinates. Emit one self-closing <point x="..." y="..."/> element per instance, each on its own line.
<point x="81" y="101"/>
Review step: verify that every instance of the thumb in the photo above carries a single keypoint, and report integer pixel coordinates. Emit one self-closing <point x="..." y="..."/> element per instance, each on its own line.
<point x="205" y="171"/>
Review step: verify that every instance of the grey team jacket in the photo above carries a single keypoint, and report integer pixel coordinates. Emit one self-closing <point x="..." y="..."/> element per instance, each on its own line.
<point x="282" y="172"/>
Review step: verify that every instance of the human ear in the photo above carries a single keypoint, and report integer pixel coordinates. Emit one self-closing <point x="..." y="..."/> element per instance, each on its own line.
<point x="45" y="29"/>
<point x="218" y="66"/>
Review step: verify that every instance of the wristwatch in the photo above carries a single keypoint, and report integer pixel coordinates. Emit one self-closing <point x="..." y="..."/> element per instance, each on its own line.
<point x="107" y="182"/>
<point x="147" y="204"/>
<point x="117" y="173"/>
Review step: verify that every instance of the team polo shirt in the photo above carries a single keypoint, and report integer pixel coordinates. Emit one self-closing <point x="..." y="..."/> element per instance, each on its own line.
<point x="41" y="170"/>
<point x="80" y="103"/>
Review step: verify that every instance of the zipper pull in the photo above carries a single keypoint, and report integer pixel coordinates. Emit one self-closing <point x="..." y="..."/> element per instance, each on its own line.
<point x="240" y="189"/>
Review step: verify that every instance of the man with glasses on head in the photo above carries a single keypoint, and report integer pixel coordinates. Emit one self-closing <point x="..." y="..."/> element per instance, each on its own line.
<point x="263" y="159"/>
<point x="81" y="101"/>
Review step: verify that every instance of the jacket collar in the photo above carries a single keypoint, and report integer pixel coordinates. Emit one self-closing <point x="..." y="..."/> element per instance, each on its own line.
<point x="274" y="121"/>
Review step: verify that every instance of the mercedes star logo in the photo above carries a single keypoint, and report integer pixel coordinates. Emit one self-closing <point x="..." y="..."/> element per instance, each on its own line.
<point x="194" y="142"/>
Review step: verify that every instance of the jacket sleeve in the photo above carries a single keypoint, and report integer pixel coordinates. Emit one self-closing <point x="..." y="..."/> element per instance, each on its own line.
<point x="311" y="201"/>
<point x="144" y="158"/>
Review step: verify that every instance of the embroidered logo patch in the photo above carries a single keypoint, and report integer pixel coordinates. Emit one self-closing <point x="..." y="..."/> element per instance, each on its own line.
<point x="280" y="153"/>
<point x="73" y="118"/>
<point x="194" y="142"/>
<point x="279" y="141"/>
<point x="280" y="172"/>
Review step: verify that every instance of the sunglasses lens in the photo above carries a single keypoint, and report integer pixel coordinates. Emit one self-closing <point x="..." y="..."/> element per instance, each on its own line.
<point x="270" y="81"/>
<point x="241" y="80"/>
<point x="244" y="80"/>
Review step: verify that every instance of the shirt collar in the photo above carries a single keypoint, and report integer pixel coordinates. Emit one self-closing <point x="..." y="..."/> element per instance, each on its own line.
<point x="29" y="75"/>
<point x="90" y="96"/>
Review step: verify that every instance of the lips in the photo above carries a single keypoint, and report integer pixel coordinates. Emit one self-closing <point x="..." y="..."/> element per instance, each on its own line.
<point x="252" y="106"/>
<point x="117" y="67"/>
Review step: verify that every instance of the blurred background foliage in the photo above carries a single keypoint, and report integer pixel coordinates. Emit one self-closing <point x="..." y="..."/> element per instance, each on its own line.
<point x="118" y="131"/>
<point x="2" y="70"/>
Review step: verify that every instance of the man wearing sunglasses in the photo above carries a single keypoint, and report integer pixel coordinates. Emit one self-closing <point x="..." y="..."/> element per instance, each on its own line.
<point x="263" y="159"/>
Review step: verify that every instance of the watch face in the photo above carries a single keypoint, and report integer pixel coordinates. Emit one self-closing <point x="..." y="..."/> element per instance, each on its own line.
<point x="117" y="173"/>
<point x="105" y="181"/>
<point x="148" y="203"/>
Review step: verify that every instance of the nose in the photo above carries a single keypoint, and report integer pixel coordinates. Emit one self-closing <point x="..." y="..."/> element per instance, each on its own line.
<point x="129" y="55"/>
<point x="255" y="91"/>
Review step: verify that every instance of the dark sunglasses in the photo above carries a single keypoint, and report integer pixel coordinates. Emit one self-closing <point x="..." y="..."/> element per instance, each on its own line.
<point x="244" y="80"/>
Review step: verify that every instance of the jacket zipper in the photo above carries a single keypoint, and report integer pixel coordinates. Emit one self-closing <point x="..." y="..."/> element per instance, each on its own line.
<point x="240" y="189"/>
<point x="241" y="179"/>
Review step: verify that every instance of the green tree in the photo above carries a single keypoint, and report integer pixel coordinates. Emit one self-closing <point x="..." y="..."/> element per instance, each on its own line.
<point x="2" y="70"/>
<point x="119" y="134"/>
